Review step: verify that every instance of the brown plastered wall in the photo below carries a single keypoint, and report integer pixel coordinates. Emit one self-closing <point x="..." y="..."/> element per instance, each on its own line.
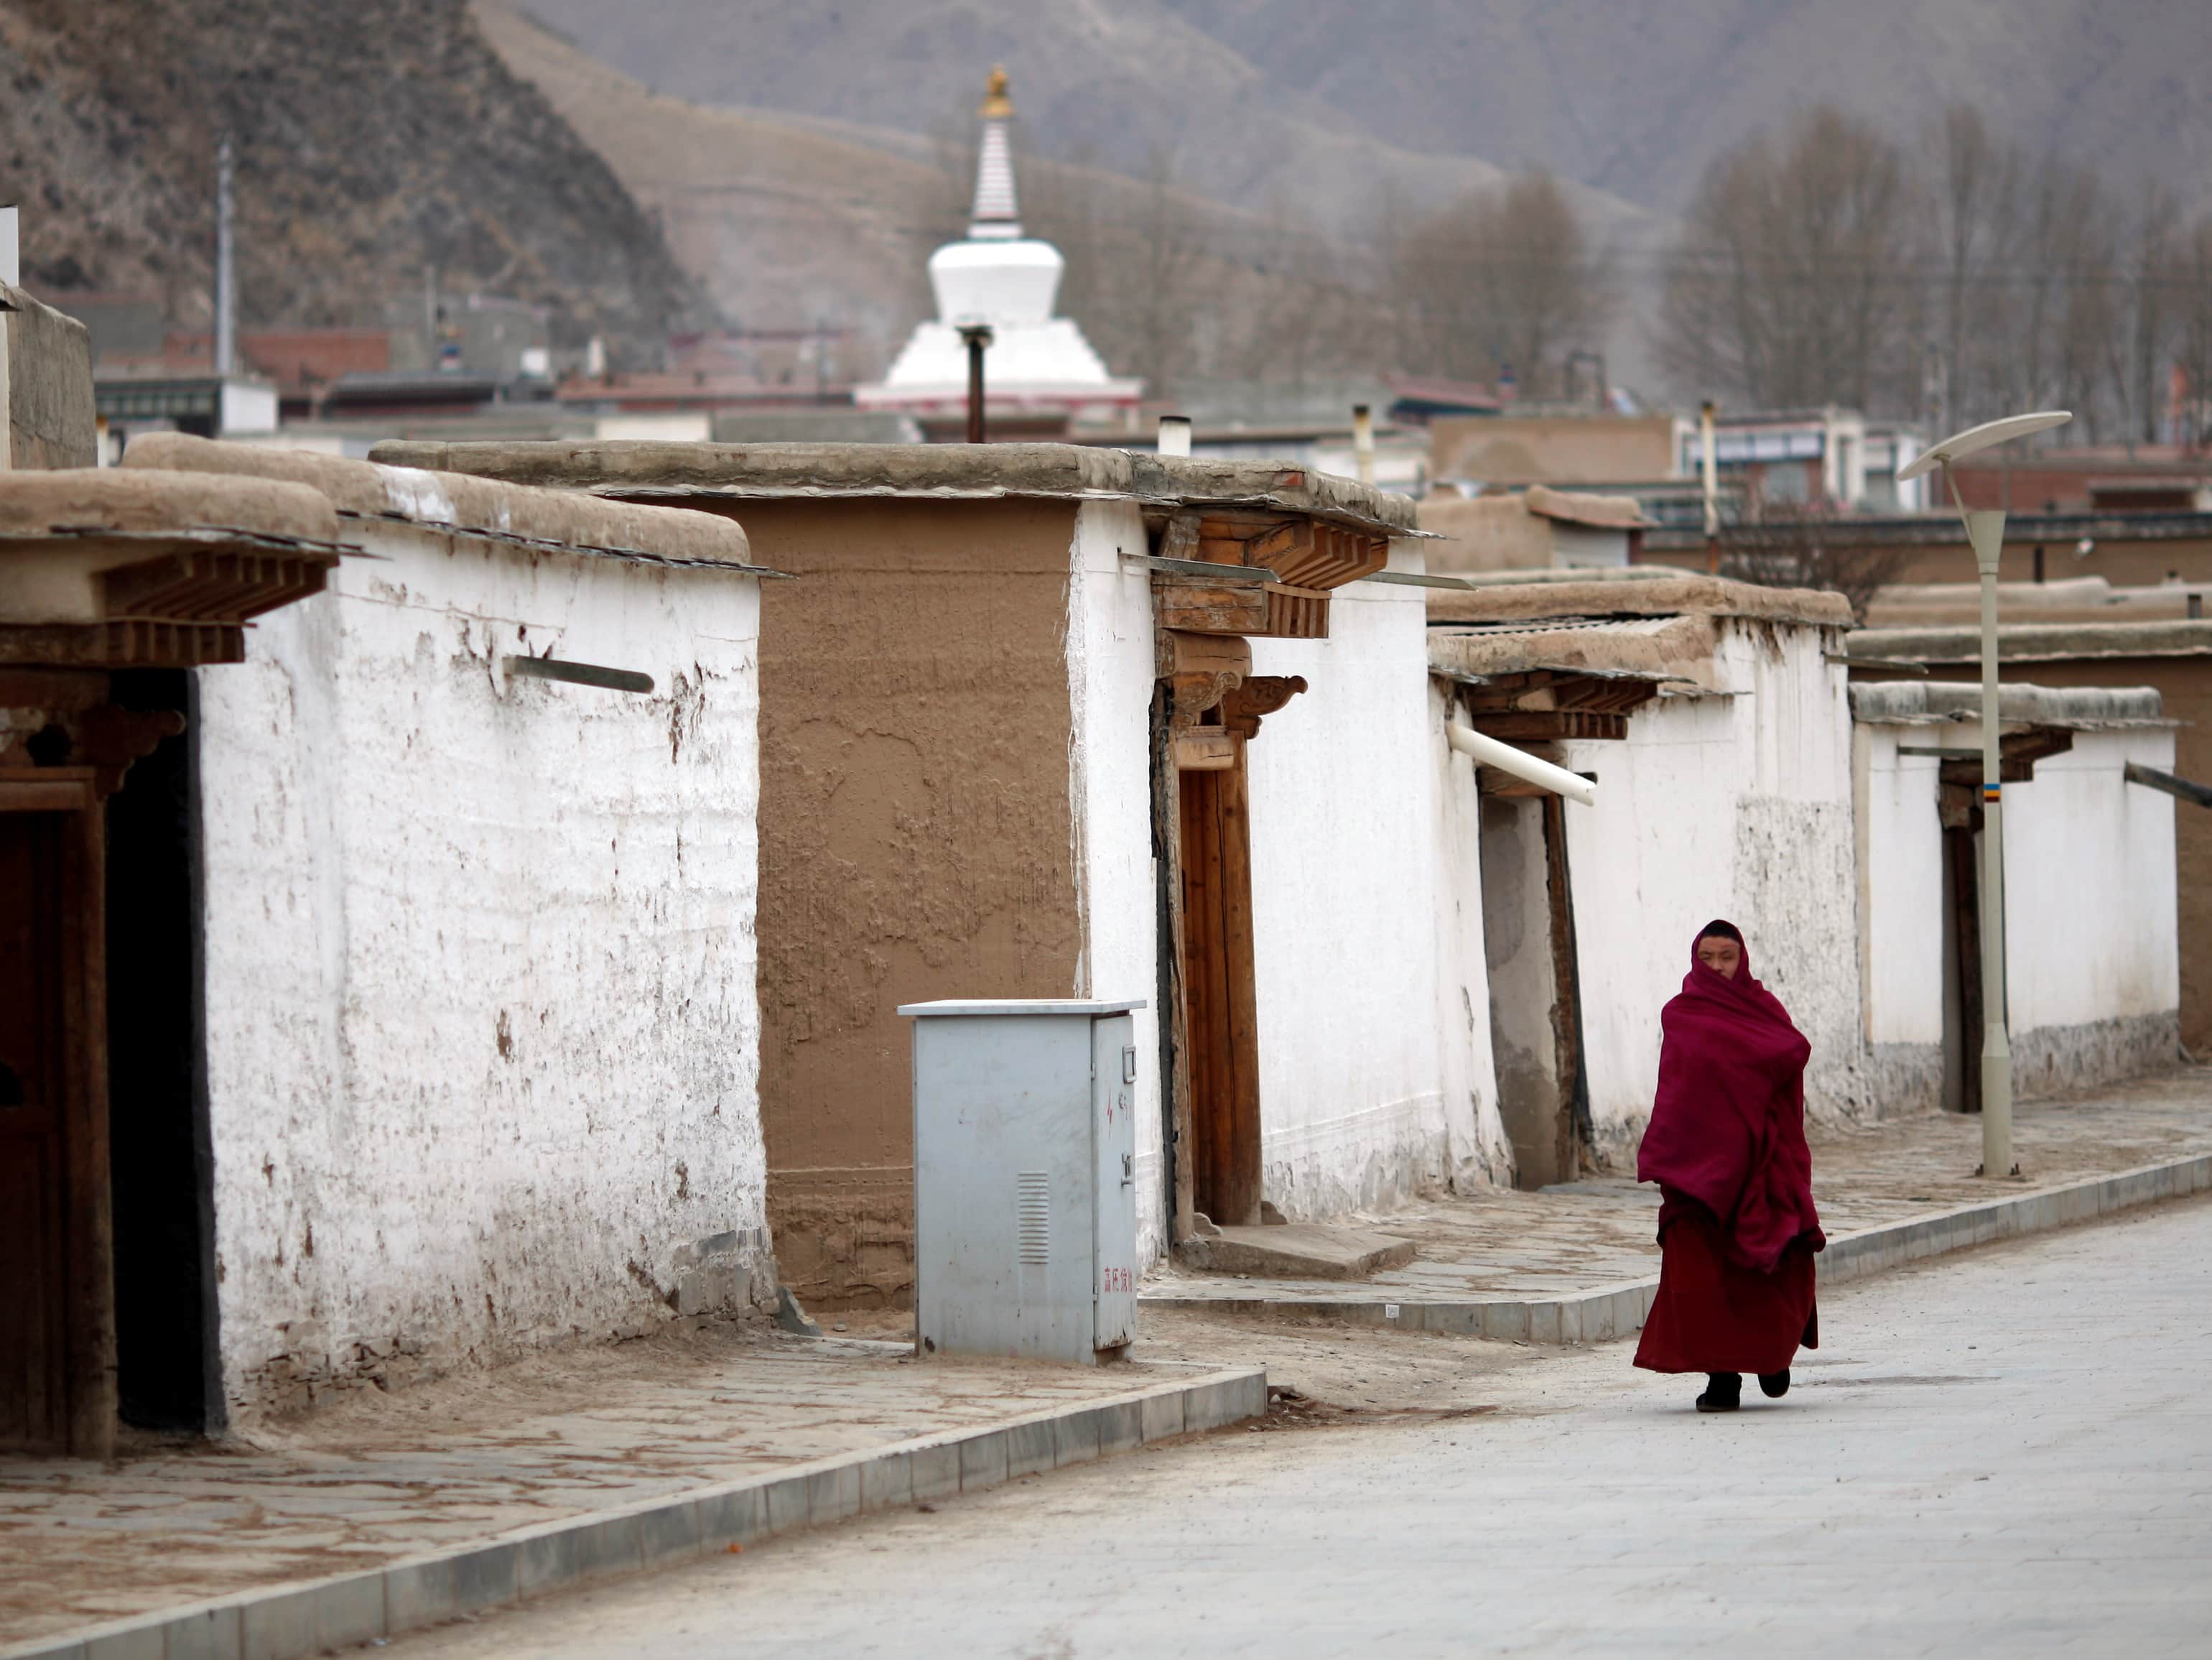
<point x="2185" y="684"/>
<point x="2124" y="564"/>
<point x="1576" y="449"/>
<point x="915" y="838"/>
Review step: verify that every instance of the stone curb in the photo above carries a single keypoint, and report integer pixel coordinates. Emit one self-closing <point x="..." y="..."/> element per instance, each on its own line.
<point x="1618" y="1309"/>
<point x="303" y="1618"/>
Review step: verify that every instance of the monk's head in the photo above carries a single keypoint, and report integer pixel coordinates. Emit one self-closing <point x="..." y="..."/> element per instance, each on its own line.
<point x="1720" y="948"/>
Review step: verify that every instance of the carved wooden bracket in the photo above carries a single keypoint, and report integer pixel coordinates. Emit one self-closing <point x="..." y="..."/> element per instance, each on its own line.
<point x="109" y="739"/>
<point x="1259" y="695"/>
<point x="1200" y="669"/>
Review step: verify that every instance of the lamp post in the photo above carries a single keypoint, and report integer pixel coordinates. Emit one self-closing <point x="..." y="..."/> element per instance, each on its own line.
<point x="1985" y="531"/>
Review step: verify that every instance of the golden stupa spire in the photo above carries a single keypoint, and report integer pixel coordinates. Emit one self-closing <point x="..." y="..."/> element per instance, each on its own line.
<point x="997" y="106"/>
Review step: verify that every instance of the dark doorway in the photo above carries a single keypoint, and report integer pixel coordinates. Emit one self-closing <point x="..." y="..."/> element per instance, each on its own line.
<point x="161" y="1156"/>
<point x="1962" y="966"/>
<point x="1220" y="993"/>
<point x="1535" y="998"/>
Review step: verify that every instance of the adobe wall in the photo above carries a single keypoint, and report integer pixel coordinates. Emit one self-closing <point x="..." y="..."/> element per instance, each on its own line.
<point x="917" y="837"/>
<point x="481" y="1034"/>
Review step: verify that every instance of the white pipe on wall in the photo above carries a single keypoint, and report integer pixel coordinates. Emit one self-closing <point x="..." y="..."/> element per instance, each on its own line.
<point x="1489" y="752"/>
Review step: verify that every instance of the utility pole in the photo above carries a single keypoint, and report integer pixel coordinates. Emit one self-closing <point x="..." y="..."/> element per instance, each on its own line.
<point x="226" y="269"/>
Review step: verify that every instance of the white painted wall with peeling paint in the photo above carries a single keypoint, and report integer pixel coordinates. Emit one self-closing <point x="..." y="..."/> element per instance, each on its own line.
<point x="1738" y="807"/>
<point x="483" y="1037"/>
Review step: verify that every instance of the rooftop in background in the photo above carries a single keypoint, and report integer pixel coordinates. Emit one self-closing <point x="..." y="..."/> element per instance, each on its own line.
<point x="2031" y="643"/>
<point x="2080" y="708"/>
<point x="1418" y="401"/>
<point x="1764" y="459"/>
<point x="2104" y="478"/>
<point x="673" y="472"/>
<point x="1608" y="596"/>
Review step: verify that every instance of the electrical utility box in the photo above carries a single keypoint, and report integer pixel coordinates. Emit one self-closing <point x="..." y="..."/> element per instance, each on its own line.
<point x="1024" y="1178"/>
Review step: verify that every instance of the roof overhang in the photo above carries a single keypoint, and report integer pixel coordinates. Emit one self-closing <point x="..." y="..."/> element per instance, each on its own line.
<point x="105" y="569"/>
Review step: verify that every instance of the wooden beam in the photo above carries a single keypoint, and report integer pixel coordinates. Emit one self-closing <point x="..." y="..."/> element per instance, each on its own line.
<point x="1205" y="749"/>
<point x="1517" y="726"/>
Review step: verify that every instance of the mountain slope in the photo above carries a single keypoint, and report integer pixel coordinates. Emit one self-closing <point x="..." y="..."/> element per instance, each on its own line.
<point x="1340" y="105"/>
<point x="1115" y="83"/>
<point x="371" y="140"/>
<point x="1636" y="96"/>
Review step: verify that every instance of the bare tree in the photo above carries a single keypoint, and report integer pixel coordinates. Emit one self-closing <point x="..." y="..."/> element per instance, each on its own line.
<point x="1974" y="213"/>
<point x="1792" y="281"/>
<point x="2191" y="269"/>
<point x="1811" y="548"/>
<point x="1503" y="277"/>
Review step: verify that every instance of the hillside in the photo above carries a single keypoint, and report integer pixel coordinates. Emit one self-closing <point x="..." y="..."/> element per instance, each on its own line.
<point x="1636" y="97"/>
<point x="788" y="221"/>
<point x="1339" y="106"/>
<point x="1117" y="85"/>
<point x="371" y="139"/>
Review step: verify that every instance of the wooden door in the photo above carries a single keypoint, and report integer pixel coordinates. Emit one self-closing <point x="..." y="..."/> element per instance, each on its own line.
<point x="56" y="1374"/>
<point x="1220" y="996"/>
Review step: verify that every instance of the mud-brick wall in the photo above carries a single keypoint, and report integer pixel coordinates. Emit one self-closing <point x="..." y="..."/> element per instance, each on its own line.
<point x="917" y="838"/>
<point x="481" y="1035"/>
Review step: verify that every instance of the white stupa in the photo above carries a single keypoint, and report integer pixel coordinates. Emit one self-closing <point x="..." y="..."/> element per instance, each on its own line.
<point x="1038" y="368"/>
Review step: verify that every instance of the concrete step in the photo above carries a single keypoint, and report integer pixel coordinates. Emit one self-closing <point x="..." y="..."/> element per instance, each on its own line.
<point x="1296" y="1250"/>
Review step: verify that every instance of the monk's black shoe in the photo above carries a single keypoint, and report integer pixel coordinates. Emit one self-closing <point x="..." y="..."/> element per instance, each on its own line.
<point x="1774" y="1384"/>
<point x="1723" y="1392"/>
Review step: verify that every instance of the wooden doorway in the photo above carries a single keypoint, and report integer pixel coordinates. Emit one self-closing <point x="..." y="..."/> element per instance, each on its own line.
<point x="56" y="1348"/>
<point x="1219" y="993"/>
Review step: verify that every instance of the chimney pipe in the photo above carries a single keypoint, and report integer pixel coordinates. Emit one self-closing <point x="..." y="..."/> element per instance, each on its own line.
<point x="978" y="338"/>
<point x="1363" y="442"/>
<point x="1708" y="466"/>
<point x="1174" y="434"/>
<point x="226" y="272"/>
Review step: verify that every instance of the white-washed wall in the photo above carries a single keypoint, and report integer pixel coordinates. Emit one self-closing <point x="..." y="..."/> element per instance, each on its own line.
<point x="1901" y="909"/>
<point x="2089" y="892"/>
<point x="481" y="1029"/>
<point x="1344" y="866"/>
<point x="1110" y="677"/>
<point x="2091" y="937"/>
<point x="1736" y="806"/>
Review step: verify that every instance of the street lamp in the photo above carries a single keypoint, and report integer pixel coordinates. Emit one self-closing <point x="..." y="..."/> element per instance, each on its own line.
<point x="1985" y="533"/>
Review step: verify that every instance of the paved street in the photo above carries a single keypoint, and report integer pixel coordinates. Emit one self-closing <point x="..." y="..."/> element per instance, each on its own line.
<point x="2007" y="1453"/>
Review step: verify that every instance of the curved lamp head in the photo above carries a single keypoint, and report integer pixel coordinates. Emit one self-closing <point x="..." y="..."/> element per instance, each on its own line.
<point x="1981" y="438"/>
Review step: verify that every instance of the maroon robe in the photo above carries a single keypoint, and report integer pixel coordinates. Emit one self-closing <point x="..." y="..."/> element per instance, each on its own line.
<point x="1737" y="1227"/>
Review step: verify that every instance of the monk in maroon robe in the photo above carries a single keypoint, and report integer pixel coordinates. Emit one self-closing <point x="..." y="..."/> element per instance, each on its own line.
<point x="1726" y="1144"/>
